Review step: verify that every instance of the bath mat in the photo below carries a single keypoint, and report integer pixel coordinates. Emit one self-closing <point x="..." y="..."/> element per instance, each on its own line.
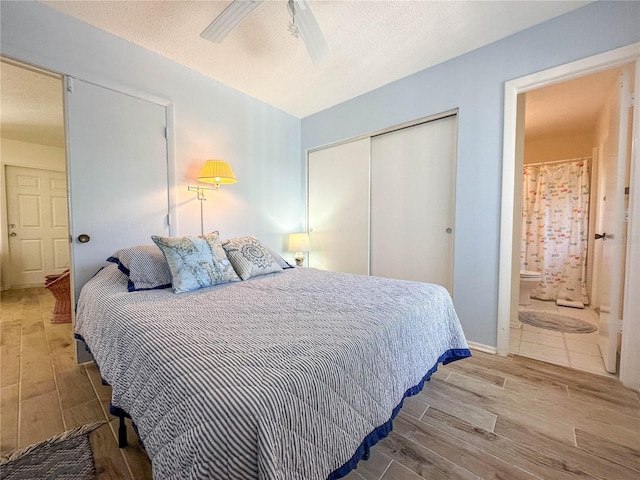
<point x="559" y="323"/>
<point x="67" y="456"/>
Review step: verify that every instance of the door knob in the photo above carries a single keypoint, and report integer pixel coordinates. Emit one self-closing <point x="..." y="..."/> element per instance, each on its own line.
<point x="13" y="234"/>
<point x="599" y="236"/>
<point x="84" y="238"/>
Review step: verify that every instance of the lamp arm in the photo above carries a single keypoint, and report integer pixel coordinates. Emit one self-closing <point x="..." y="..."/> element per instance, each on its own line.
<point x="200" y="190"/>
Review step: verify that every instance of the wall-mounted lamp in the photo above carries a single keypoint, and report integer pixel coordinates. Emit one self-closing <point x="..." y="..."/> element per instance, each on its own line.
<point x="298" y="244"/>
<point x="216" y="172"/>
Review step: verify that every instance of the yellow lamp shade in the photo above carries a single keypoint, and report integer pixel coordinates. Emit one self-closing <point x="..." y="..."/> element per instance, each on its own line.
<point x="217" y="171"/>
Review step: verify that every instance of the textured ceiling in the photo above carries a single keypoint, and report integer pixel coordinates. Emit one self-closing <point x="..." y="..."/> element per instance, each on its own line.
<point x="31" y="106"/>
<point x="372" y="42"/>
<point x="32" y="102"/>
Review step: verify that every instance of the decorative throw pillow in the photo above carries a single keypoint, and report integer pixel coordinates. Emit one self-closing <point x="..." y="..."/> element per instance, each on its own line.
<point x="249" y="257"/>
<point x="279" y="260"/>
<point x="196" y="262"/>
<point x="145" y="265"/>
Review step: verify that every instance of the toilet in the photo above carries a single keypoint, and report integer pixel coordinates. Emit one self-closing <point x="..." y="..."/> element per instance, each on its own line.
<point x="528" y="281"/>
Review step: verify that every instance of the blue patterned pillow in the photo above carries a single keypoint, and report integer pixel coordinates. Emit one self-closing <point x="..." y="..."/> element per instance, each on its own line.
<point x="196" y="262"/>
<point x="145" y="265"/>
<point x="249" y="257"/>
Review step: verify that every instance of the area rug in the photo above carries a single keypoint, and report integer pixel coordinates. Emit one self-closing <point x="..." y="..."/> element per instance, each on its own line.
<point x="552" y="321"/>
<point x="66" y="456"/>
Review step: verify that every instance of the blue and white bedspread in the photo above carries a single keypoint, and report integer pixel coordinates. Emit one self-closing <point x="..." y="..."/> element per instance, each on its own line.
<point x="286" y="376"/>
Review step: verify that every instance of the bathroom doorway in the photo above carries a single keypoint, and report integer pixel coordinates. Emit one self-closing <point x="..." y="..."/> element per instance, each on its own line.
<point x="569" y="129"/>
<point x="514" y="151"/>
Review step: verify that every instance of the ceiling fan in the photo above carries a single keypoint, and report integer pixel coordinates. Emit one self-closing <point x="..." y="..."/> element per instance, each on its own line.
<point x="303" y="24"/>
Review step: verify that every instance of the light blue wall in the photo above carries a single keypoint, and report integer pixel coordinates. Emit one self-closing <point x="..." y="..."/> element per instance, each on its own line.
<point x="260" y="142"/>
<point x="474" y="83"/>
<point x="263" y="144"/>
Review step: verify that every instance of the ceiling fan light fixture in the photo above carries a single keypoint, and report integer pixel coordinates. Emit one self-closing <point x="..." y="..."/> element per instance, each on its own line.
<point x="293" y="28"/>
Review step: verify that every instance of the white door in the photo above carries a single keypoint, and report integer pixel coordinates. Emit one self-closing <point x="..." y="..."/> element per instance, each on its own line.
<point x="413" y="202"/>
<point x="613" y="171"/>
<point x="118" y="175"/>
<point x="38" y="224"/>
<point x="338" y="207"/>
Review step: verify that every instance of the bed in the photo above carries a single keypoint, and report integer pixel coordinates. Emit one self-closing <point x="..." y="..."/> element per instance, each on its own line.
<point x="290" y="374"/>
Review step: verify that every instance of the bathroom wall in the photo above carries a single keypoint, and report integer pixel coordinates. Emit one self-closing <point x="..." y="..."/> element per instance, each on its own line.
<point x="559" y="145"/>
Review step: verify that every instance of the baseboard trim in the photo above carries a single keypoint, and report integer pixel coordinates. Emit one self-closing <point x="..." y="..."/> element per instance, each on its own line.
<point x="482" y="348"/>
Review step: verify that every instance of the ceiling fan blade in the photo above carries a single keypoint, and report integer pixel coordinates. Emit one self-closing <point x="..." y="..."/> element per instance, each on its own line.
<point x="229" y="19"/>
<point x="309" y="31"/>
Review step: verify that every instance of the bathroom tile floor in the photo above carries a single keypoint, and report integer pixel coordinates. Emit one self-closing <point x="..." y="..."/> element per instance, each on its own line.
<point x="578" y="351"/>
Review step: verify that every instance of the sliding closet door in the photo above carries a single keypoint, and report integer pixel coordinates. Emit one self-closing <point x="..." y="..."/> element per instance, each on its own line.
<point x="338" y="207"/>
<point x="413" y="202"/>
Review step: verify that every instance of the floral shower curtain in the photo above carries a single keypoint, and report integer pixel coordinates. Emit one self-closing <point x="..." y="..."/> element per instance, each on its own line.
<point x="555" y="211"/>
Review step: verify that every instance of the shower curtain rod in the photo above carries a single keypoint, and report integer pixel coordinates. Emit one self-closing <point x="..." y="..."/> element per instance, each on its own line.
<point x="558" y="161"/>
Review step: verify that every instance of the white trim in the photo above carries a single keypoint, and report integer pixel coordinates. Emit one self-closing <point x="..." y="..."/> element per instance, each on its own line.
<point x="512" y="88"/>
<point x="172" y="169"/>
<point x="629" y="360"/>
<point x="482" y="348"/>
<point x="400" y="126"/>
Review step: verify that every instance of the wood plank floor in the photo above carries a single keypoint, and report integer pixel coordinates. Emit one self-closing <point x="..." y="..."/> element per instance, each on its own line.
<point x="43" y="392"/>
<point x="484" y="417"/>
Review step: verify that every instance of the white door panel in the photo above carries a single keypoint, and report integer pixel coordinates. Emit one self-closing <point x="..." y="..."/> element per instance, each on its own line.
<point x="118" y="176"/>
<point x="413" y="202"/>
<point x="612" y="222"/>
<point x="338" y="207"/>
<point x="38" y="224"/>
<point x="60" y="254"/>
<point x="59" y="216"/>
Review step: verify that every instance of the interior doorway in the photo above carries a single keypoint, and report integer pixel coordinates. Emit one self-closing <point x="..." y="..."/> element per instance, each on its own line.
<point x="512" y="192"/>
<point x="37" y="352"/>
<point x="34" y="238"/>
<point x="570" y="156"/>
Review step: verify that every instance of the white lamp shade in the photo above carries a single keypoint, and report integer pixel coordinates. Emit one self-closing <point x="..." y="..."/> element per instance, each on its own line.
<point x="298" y="242"/>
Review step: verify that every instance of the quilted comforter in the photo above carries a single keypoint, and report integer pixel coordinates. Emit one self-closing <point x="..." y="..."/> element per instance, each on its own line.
<point x="291" y="375"/>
